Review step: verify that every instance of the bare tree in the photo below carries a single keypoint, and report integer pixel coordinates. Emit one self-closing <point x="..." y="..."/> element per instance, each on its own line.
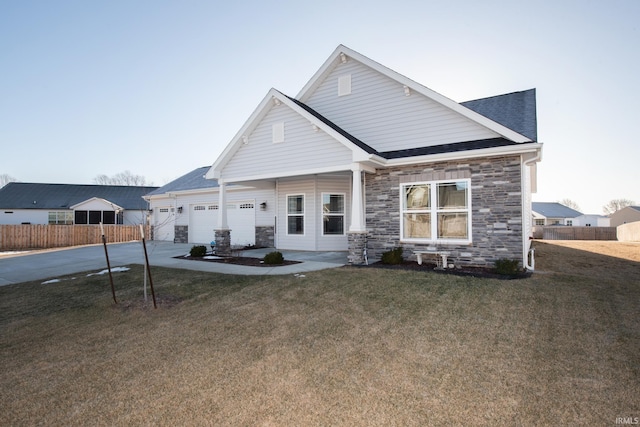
<point x="615" y="205"/>
<point x="102" y="180"/>
<point x="122" y="178"/>
<point x="5" y="179"/>
<point x="570" y="204"/>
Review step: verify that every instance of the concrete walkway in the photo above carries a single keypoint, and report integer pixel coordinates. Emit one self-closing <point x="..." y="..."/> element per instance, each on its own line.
<point x="49" y="264"/>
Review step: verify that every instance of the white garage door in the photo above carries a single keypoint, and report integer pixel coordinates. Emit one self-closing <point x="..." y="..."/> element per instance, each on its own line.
<point x="163" y="224"/>
<point x="241" y="217"/>
<point x="202" y="221"/>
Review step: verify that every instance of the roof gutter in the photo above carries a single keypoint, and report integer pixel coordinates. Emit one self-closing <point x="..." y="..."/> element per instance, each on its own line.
<point x="529" y="253"/>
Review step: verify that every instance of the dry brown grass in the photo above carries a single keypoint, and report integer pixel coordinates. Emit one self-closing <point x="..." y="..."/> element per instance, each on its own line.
<point x="350" y="346"/>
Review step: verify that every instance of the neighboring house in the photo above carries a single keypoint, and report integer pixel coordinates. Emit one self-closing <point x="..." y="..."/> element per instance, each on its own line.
<point x="625" y="215"/>
<point x="591" y="220"/>
<point x="551" y="213"/>
<point x="34" y="203"/>
<point x="364" y="159"/>
<point x="186" y="211"/>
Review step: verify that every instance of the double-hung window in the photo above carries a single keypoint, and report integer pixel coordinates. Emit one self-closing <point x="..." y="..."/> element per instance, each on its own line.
<point x="295" y="214"/>
<point x="436" y="211"/>
<point x="332" y="214"/>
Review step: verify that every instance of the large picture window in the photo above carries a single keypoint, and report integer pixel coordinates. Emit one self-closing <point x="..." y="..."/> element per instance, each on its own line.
<point x="333" y="214"/>
<point x="295" y="214"/>
<point x="436" y="211"/>
<point x="64" y="217"/>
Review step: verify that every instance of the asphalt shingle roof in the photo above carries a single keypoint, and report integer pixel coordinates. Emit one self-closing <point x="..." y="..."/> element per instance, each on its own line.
<point x="554" y="210"/>
<point x="516" y="110"/>
<point x="191" y="181"/>
<point x="448" y="148"/>
<point x="24" y="195"/>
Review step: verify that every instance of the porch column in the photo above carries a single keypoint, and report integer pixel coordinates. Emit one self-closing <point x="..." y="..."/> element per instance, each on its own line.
<point x="222" y="207"/>
<point x="357" y="201"/>
<point x="357" y="235"/>
<point x="222" y="232"/>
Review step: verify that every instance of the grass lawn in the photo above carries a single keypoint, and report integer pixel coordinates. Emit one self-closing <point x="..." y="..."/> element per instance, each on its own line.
<point x="348" y="346"/>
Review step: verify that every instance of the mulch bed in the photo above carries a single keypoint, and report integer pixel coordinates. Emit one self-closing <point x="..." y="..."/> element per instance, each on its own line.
<point x="462" y="271"/>
<point x="238" y="260"/>
<point x="406" y="265"/>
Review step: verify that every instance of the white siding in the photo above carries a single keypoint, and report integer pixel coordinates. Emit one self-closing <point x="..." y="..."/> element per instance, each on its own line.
<point x="312" y="189"/>
<point x="303" y="148"/>
<point x="131" y="217"/>
<point x="379" y="114"/>
<point x="32" y="216"/>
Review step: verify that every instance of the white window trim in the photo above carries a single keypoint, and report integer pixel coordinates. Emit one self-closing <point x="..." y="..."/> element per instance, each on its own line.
<point x="343" y="214"/>
<point x="434" y="213"/>
<point x="304" y="210"/>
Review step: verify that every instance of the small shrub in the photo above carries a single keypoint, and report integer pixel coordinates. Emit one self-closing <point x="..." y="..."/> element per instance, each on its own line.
<point x="198" y="251"/>
<point x="273" y="258"/>
<point x="394" y="256"/>
<point x="507" y="266"/>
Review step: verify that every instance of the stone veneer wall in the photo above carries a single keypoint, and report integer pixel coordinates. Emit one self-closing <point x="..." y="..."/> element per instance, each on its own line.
<point x="265" y="236"/>
<point x="496" y="200"/>
<point x="357" y="245"/>
<point x="181" y="234"/>
<point x="223" y="242"/>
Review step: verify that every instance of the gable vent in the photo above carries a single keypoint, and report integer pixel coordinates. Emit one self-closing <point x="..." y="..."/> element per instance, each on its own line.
<point x="278" y="132"/>
<point x="344" y="85"/>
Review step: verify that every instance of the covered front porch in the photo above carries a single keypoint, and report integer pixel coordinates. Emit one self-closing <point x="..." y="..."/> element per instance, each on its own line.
<point x="316" y="212"/>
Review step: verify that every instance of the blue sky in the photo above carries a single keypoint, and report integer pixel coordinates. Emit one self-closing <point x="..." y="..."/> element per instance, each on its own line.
<point x="160" y="87"/>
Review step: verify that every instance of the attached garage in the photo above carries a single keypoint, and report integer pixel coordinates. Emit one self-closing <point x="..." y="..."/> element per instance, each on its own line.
<point x="186" y="211"/>
<point x="203" y="219"/>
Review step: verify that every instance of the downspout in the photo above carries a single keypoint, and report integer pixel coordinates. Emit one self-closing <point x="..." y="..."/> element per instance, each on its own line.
<point x="529" y="260"/>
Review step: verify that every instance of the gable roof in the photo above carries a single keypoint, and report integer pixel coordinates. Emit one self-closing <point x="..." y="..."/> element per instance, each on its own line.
<point x="511" y="116"/>
<point x="193" y="180"/>
<point x="24" y="195"/>
<point x="554" y="210"/>
<point x="96" y="199"/>
<point x="342" y="51"/>
<point x="275" y="96"/>
<point x="630" y="207"/>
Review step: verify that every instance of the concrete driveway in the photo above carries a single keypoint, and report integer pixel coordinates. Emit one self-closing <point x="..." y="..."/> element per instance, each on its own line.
<point x="49" y="264"/>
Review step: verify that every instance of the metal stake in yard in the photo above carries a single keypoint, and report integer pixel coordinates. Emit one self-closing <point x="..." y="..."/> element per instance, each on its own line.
<point x="146" y="259"/>
<point x="106" y="254"/>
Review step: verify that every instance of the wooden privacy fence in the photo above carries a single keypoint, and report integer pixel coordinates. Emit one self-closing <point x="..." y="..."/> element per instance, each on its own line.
<point x="40" y="236"/>
<point x="579" y="233"/>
